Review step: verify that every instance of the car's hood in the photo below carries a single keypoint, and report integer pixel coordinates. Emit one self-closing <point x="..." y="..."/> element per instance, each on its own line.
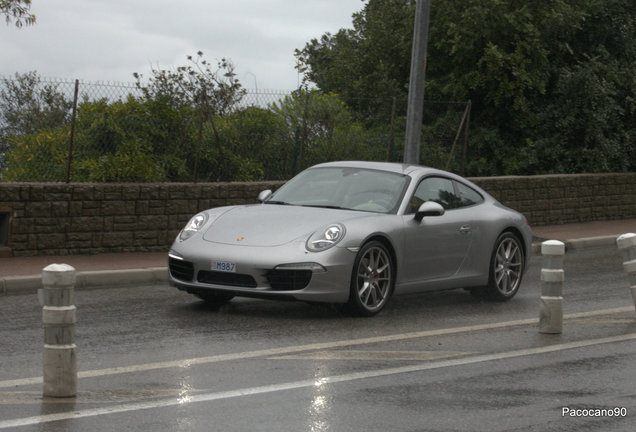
<point x="272" y="224"/>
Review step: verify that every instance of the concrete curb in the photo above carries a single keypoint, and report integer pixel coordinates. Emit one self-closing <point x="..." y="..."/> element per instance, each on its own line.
<point x="13" y="285"/>
<point x="580" y="243"/>
<point x="586" y="242"/>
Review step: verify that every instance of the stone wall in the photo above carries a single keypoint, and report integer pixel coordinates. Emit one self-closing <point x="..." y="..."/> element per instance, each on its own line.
<point x="81" y="218"/>
<point x="560" y="199"/>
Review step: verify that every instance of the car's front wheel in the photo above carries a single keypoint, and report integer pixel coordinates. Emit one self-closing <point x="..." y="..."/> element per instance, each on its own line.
<point x="372" y="280"/>
<point x="506" y="268"/>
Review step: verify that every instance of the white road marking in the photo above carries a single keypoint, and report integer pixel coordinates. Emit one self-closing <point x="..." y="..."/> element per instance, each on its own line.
<point x="308" y="347"/>
<point x="208" y="397"/>
<point x="366" y="355"/>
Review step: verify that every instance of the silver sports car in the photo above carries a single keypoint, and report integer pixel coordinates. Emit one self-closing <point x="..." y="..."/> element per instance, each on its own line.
<point x="355" y="233"/>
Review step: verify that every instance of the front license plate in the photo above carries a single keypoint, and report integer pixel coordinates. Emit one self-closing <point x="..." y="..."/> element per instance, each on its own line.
<point x="223" y="266"/>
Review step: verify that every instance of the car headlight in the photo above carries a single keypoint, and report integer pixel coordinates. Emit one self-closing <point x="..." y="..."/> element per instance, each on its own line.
<point x="325" y="238"/>
<point x="193" y="226"/>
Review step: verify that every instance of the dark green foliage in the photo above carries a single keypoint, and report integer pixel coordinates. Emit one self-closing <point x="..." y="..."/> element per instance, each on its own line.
<point x="29" y="106"/>
<point x="170" y="135"/>
<point x="551" y="82"/>
<point x="368" y="65"/>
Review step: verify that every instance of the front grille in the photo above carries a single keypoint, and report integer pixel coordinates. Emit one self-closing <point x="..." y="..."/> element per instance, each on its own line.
<point x="288" y="280"/>
<point x="229" y="279"/>
<point x="182" y="270"/>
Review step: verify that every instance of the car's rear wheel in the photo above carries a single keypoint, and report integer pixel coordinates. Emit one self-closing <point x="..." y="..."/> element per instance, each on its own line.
<point x="506" y="268"/>
<point x="372" y="280"/>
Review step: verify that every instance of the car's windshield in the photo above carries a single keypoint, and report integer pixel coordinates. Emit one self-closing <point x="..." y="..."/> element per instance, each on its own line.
<point x="345" y="188"/>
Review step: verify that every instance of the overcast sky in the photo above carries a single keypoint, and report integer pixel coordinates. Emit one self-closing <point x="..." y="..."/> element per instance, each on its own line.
<point x="108" y="40"/>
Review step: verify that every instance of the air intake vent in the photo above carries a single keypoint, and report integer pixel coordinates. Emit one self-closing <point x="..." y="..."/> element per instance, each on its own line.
<point x="288" y="280"/>
<point x="228" y="279"/>
<point x="182" y="270"/>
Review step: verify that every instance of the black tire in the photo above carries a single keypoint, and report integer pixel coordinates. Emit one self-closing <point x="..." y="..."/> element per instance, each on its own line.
<point x="372" y="280"/>
<point x="506" y="268"/>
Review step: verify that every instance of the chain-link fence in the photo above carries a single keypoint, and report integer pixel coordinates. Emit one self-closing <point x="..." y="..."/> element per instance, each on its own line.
<point x="61" y="130"/>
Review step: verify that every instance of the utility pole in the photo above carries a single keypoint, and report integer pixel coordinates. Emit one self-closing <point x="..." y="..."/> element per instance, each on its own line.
<point x="416" y="83"/>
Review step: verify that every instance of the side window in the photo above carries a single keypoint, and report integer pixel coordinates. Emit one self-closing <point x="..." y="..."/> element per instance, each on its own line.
<point x="436" y="189"/>
<point x="467" y="196"/>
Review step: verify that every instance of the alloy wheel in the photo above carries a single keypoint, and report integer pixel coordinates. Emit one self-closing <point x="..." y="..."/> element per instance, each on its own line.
<point x="508" y="266"/>
<point x="374" y="278"/>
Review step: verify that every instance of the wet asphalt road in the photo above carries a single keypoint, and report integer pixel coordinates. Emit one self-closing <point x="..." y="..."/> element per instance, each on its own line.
<point x="153" y="358"/>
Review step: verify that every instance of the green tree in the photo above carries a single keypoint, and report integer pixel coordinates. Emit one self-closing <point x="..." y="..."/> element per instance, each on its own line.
<point x="320" y="128"/>
<point x="113" y="143"/>
<point x="549" y="81"/>
<point x="18" y="11"/>
<point x="28" y="105"/>
<point x="204" y="92"/>
<point x="197" y="83"/>
<point x="256" y="144"/>
<point x="130" y="140"/>
<point x="164" y="135"/>
<point x="38" y="156"/>
<point x="586" y="120"/>
<point x="501" y="55"/>
<point x="368" y="65"/>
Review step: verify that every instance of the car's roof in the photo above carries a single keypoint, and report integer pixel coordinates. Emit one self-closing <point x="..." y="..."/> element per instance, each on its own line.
<point x="398" y="168"/>
<point x="415" y="171"/>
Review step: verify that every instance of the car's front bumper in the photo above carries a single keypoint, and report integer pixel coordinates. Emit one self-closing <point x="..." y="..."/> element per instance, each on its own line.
<point x="286" y="272"/>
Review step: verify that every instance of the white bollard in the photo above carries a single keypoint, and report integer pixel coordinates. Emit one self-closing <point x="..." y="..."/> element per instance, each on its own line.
<point x="59" y="362"/>
<point x="627" y="245"/>
<point x="552" y="277"/>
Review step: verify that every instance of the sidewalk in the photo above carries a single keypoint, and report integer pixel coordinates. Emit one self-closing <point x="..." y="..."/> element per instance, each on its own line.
<point x="586" y="234"/>
<point x="23" y="274"/>
<point x="28" y="266"/>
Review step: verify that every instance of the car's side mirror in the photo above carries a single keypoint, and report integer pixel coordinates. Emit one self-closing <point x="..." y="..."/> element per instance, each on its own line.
<point x="429" y="208"/>
<point x="264" y="195"/>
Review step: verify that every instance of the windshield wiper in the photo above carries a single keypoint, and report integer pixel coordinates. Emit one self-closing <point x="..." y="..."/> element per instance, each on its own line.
<point x="276" y="202"/>
<point x="325" y="206"/>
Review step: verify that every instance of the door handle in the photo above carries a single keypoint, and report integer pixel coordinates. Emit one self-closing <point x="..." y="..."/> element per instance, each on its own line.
<point x="465" y="229"/>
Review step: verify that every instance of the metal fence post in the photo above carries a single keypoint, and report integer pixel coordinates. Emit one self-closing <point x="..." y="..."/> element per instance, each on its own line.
<point x="72" y="136"/>
<point x="627" y="245"/>
<point x="552" y="277"/>
<point x="58" y="316"/>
